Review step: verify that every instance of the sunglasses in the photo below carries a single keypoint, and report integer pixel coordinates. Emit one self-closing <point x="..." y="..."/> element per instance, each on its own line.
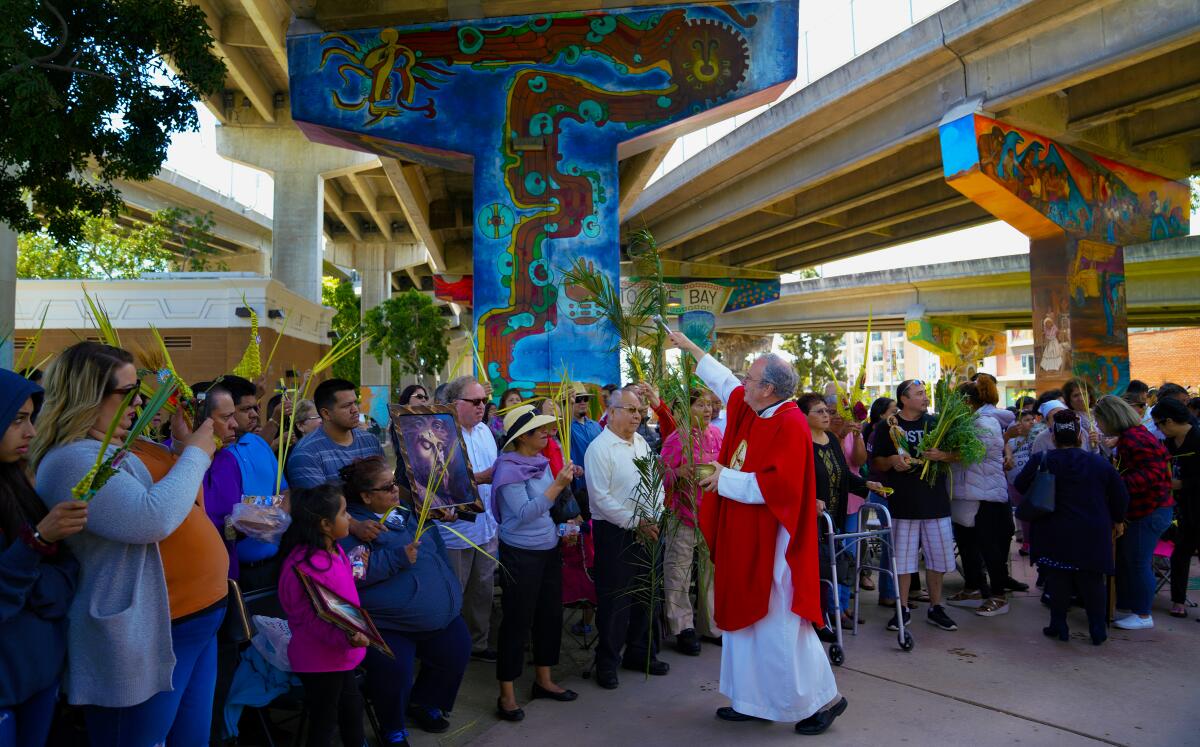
<point x="476" y="402"/>
<point x="908" y="385"/>
<point x="581" y="400"/>
<point x="125" y="390"/>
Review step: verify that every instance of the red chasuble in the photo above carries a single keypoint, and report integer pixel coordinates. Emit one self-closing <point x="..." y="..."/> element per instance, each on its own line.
<point x="741" y="538"/>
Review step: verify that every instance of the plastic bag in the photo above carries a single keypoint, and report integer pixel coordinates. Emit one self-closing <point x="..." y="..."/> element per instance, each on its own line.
<point x="272" y="640"/>
<point x="261" y="517"/>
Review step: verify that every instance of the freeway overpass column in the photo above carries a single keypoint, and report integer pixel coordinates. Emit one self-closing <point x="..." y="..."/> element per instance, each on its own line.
<point x="1079" y="210"/>
<point x="296" y="165"/>
<point x="370" y="259"/>
<point x="8" y="294"/>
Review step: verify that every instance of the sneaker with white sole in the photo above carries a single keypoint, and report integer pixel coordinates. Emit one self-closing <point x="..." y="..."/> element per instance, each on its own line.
<point x="936" y="615"/>
<point x="1134" y="622"/>
<point x="992" y="607"/>
<point x="964" y="598"/>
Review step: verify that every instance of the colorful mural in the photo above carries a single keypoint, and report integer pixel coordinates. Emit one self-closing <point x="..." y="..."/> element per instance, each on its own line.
<point x="542" y="106"/>
<point x="1078" y="209"/>
<point x="960" y="347"/>
<point x="697" y="301"/>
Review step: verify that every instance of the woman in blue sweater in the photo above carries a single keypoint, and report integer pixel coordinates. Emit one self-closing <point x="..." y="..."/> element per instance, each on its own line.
<point x="524" y="490"/>
<point x="37" y="576"/>
<point x="414" y="597"/>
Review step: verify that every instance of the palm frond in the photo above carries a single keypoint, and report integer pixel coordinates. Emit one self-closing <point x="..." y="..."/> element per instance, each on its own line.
<point x="100" y="318"/>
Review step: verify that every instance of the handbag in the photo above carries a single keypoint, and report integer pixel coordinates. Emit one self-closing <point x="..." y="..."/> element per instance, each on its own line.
<point x="565" y="507"/>
<point x="1039" y="499"/>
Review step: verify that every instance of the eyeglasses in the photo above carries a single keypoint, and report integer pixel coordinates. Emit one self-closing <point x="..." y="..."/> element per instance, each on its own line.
<point x="476" y="402"/>
<point x="629" y="409"/>
<point x="385" y="488"/>
<point x="422" y="397"/>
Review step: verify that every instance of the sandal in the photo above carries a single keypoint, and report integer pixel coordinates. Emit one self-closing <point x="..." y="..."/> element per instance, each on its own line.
<point x="865" y="583"/>
<point x="1178" y="611"/>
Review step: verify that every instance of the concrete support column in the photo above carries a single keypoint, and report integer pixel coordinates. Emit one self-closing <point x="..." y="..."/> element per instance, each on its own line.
<point x="296" y="165"/>
<point x="8" y="293"/>
<point x="376" y="288"/>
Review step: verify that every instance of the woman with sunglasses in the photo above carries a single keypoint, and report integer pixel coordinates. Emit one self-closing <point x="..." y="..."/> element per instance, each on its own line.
<point x="132" y="668"/>
<point x="414" y="598"/>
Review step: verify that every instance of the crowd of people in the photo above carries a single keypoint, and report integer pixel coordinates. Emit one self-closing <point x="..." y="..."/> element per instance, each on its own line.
<point x="113" y="606"/>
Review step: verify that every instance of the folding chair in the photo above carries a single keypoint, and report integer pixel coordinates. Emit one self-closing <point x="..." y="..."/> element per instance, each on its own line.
<point x="1161" y="562"/>
<point x="573" y="612"/>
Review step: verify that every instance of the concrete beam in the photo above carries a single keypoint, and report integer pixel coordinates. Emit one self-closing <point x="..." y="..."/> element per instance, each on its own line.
<point x="413" y="195"/>
<point x="635" y="171"/>
<point x="1005" y="52"/>
<point x="243" y="71"/>
<point x="271" y="26"/>
<point x="367" y="194"/>
<point x="334" y="200"/>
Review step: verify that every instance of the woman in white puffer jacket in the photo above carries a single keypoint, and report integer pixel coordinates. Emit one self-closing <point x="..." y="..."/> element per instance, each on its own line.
<point x="982" y="517"/>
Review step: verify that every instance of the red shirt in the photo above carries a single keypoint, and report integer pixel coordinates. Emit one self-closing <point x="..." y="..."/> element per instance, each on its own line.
<point x="1145" y="466"/>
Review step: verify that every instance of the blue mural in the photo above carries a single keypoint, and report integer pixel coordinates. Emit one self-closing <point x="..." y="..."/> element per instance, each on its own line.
<point x="541" y="107"/>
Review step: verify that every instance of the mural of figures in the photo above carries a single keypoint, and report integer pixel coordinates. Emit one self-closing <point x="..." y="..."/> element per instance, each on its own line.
<point x="540" y="107"/>
<point x="1078" y="209"/>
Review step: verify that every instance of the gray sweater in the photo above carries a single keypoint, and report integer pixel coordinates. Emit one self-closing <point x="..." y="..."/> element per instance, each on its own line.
<point x="119" y="649"/>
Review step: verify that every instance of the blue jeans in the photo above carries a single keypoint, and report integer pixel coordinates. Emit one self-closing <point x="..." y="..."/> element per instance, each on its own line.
<point x="1135" y="551"/>
<point x="444" y="656"/>
<point x="179" y="717"/>
<point x="886" y="585"/>
<point x="27" y="724"/>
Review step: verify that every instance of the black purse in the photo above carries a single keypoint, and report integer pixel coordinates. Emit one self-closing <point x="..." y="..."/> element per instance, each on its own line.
<point x="1039" y="499"/>
<point x="565" y="508"/>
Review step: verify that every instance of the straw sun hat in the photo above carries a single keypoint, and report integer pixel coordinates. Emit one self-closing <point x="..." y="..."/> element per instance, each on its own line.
<point x="523" y="419"/>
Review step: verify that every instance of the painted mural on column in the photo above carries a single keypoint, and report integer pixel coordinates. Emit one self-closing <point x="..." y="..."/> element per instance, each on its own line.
<point x="541" y="108"/>
<point x="1079" y="211"/>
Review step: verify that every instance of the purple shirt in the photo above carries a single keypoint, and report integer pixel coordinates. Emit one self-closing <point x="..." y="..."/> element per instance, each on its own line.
<point x="222" y="490"/>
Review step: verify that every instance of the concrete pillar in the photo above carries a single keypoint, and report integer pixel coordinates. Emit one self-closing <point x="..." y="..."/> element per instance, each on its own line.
<point x="370" y="261"/>
<point x="8" y="293"/>
<point x="1078" y="210"/>
<point x="296" y="165"/>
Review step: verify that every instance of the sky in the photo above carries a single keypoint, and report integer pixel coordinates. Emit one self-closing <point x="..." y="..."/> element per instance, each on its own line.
<point x="831" y="33"/>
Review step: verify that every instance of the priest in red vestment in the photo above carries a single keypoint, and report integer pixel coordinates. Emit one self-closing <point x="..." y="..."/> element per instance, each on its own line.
<point x="759" y="518"/>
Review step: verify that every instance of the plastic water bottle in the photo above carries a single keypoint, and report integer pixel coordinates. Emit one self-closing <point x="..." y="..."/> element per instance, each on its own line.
<point x="565" y="529"/>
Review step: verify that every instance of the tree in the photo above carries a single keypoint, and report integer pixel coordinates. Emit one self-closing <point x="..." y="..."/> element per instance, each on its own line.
<point x="410" y="330"/>
<point x="86" y="97"/>
<point x="107" y="249"/>
<point x="340" y="296"/>
<point x="815" y="353"/>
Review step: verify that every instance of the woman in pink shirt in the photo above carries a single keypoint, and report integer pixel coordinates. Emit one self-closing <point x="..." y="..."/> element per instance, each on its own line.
<point x="683" y="497"/>
<point x="322" y="655"/>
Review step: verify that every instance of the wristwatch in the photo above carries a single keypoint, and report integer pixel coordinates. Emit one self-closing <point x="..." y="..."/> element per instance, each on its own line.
<point x="38" y="536"/>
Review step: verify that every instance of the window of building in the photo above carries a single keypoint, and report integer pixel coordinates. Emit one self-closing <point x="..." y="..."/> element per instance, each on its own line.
<point x="1027" y="368"/>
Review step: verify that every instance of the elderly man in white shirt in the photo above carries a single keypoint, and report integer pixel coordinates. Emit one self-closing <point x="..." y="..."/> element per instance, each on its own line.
<point x="622" y="523"/>
<point x="476" y="571"/>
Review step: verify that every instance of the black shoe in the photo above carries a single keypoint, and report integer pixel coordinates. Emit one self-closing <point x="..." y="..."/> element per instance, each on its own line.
<point x="514" y="715"/>
<point x="1061" y="634"/>
<point x="937" y="616"/>
<point x="606" y="679"/>
<point x="894" y="624"/>
<point x="1011" y="584"/>
<point x="825" y="634"/>
<point x="427" y="721"/>
<point x="687" y="643"/>
<point x="566" y="696"/>
<point x="728" y="714"/>
<point x="714" y="640"/>
<point x="821" y="720"/>
<point x="487" y="654"/>
<point x="657" y="667"/>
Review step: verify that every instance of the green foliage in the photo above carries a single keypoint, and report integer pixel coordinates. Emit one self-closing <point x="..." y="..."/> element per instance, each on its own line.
<point x="954" y="431"/>
<point x="107" y="249"/>
<point x="339" y="295"/>
<point x="409" y="329"/>
<point x="86" y="97"/>
<point x="815" y="355"/>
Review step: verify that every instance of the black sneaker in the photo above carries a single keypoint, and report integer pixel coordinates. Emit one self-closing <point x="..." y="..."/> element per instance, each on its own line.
<point x="487" y="654"/>
<point x="1011" y="584"/>
<point x="937" y="616"/>
<point x="894" y="624"/>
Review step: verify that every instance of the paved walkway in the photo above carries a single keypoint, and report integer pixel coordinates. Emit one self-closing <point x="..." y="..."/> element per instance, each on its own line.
<point x="996" y="681"/>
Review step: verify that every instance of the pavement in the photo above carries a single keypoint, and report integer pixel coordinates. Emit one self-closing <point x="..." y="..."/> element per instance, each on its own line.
<point x="995" y="681"/>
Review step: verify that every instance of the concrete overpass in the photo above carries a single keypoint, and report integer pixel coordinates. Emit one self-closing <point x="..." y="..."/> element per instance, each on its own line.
<point x="994" y="293"/>
<point x="851" y="163"/>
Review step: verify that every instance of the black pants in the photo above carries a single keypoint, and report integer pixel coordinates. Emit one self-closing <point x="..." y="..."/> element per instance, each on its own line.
<point x="626" y="624"/>
<point x="334" y="706"/>
<point x="531" y="600"/>
<point x="994" y="532"/>
<point x="1187" y="542"/>
<point x="1091" y="586"/>
<point x="967" y="539"/>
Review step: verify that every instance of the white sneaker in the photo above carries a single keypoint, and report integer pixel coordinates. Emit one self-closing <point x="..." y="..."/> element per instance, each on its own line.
<point x="1134" y="622"/>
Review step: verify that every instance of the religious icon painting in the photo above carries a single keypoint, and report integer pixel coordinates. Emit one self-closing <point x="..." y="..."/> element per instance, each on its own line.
<point x="341" y="612"/>
<point x="435" y="457"/>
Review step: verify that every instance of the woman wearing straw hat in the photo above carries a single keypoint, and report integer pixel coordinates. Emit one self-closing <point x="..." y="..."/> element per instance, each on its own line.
<point x="524" y="490"/>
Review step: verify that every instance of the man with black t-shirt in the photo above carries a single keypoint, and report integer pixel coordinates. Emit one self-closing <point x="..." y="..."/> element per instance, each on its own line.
<point x="920" y="511"/>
